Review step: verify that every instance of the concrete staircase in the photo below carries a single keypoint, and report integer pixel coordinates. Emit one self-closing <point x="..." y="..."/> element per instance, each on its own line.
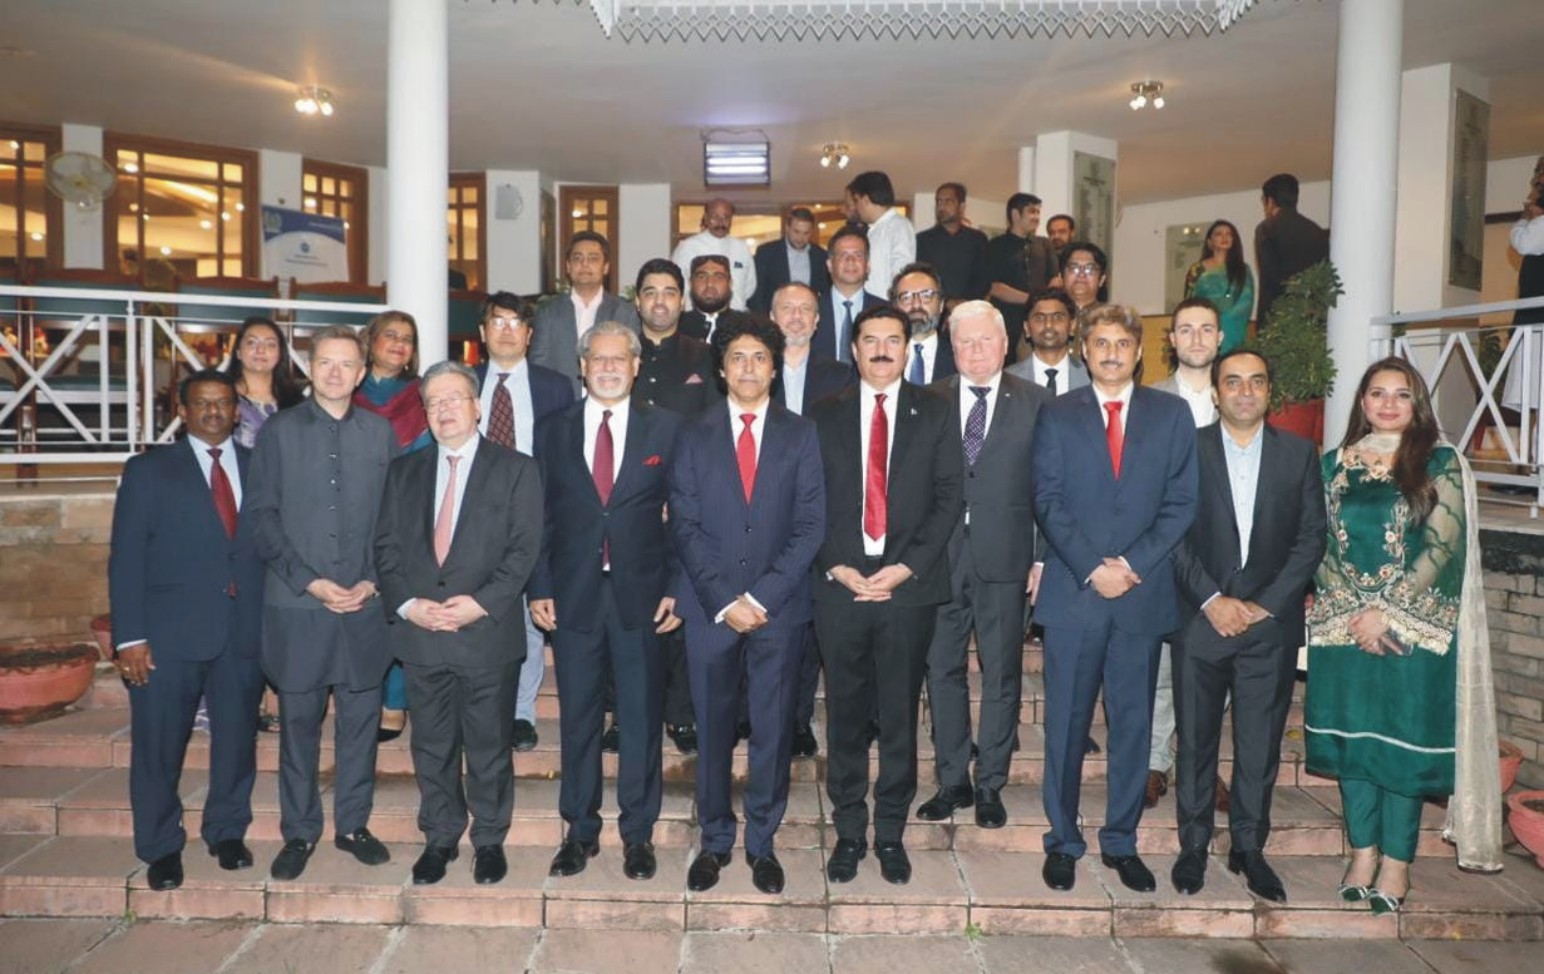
<point x="65" y="852"/>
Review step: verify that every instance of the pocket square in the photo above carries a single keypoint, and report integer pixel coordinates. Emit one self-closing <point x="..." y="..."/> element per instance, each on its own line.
<point x="693" y="380"/>
<point x="652" y="461"/>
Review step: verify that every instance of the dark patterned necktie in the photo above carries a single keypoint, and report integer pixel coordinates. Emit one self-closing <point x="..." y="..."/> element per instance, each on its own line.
<point x="975" y="425"/>
<point x="501" y="421"/>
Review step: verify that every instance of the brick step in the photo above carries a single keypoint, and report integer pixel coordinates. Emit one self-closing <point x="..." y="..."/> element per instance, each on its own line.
<point x="988" y="891"/>
<point x="86" y="802"/>
<point x="99" y="738"/>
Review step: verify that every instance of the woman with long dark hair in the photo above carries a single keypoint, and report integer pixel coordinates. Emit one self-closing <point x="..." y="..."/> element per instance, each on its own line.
<point x="1400" y="705"/>
<point x="1222" y="277"/>
<point x="265" y="377"/>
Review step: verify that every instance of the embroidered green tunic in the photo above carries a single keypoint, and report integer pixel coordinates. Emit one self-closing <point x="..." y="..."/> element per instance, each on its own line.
<point x="1386" y="719"/>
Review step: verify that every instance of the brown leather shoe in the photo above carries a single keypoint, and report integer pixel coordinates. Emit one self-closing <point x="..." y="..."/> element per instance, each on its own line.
<point x="1224" y="800"/>
<point x="1157" y="787"/>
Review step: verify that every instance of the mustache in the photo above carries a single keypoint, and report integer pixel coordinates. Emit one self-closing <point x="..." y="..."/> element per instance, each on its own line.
<point x="882" y="358"/>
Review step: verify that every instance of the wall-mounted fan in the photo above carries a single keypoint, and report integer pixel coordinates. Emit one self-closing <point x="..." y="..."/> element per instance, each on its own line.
<point x="80" y="178"/>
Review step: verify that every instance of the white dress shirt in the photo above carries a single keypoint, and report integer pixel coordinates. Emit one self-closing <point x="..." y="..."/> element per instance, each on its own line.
<point x="1202" y="409"/>
<point x="793" y="384"/>
<point x="1528" y="236"/>
<point x="758" y="427"/>
<point x="1243" y="481"/>
<point x="592" y="418"/>
<point x="584" y="314"/>
<point x="926" y="347"/>
<point x="518" y="382"/>
<point x="892" y="244"/>
<point x="742" y="269"/>
<point x="866" y="398"/>
<point x="1123" y="397"/>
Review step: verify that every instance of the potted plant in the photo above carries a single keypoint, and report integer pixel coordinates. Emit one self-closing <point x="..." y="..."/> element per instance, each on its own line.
<point x="1296" y="340"/>
<point x="1525" y="815"/>
<point x="40" y="679"/>
<point x="1511" y="763"/>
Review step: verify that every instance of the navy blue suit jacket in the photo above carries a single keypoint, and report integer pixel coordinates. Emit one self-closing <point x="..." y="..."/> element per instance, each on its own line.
<point x="823" y="343"/>
<point x="729" y="547"/>
<point x="171" y="563"/>
<point x="1087" y="515"/>
<point x="550" y="390"/>
<point x="579" y="527"/>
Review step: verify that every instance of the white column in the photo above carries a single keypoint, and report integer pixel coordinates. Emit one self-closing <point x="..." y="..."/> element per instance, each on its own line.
<point x="417" y="157"/>
<point x="83" y="228"/>
<point x="1365" y="176"/>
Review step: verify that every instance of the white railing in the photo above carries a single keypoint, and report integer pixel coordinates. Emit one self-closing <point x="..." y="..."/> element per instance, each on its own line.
<point x="98" y="386"/>
<point x="1448" y="347"/>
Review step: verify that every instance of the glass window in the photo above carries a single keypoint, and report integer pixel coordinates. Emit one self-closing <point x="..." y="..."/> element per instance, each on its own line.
<point x="342" y="191"/>
<point x="29" y="214"/>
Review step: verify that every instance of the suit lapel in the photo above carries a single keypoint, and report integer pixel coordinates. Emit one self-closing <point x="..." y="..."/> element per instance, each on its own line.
<point x="1092" y="419"/>
<point x="482" y="462"/>
<point x="1214" y="456"/>
<point x="574" y="436"/>
<point x="192" y="476"/>
<point x="905" y="430"/>
<point x="638" y="422"/>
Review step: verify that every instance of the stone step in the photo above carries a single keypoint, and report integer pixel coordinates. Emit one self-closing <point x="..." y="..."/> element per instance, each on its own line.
<point x="984" y="891"/>
<point x="90" y="802"/>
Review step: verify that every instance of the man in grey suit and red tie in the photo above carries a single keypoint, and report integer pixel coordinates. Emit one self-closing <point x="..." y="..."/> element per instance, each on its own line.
<point x="561" y="319"/>
<point x="747" y="510"/>
<point x="992" y="554"/>
<point x="458" y="534"/>
<point x="1115" y="490"/>
<point x="1242" y="570"/>
<point x="893" y="469"/>
<point x="186" y="586"/>
<point x="601" y="589"/>
<point x="516" y="393"/>
<point x="317" y="476"/>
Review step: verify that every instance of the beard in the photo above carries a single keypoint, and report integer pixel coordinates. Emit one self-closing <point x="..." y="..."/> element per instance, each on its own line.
<point x="708" y="307"/>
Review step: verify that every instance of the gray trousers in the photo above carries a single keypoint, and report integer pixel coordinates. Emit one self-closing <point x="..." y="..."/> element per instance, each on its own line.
<point x="533" y="669"/>
<point x="356" y="718"/>
<point x="995" y="612"/>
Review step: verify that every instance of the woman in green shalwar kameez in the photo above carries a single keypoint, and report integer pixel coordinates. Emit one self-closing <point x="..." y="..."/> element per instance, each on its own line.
<point x="1389" y="633"/>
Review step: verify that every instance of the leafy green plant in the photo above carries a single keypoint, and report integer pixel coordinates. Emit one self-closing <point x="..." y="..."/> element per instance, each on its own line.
<point x="1296" y="339"/>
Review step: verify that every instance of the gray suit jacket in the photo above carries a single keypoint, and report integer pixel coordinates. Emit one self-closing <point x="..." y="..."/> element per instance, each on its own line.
<point x="1077" y="374"/>
<point x="313" y="495"/>
<point x="999" y="495"/>
<point x="556" y="342"/>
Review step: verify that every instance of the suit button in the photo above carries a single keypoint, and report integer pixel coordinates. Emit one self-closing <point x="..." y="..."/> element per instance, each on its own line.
<point x="605" y="513"/>
<point x="439" y="584"/>
<point x="231" y="556"/>
<point x="747" y="529"/>
<point x="742" y="561"/>
<point x="971" y="475"/>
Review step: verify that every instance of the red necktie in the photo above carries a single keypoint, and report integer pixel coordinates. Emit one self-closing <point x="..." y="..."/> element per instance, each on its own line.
<point x="745" y="452"/>
<point x="601" y="470"/>
<point x="874" y="508"/>
<point x="1114" y="436"/>
<point x="501" y="421"/>
<point x="224" y="497"/>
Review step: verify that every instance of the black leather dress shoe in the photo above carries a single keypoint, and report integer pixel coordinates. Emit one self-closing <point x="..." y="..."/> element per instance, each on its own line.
<point x="703" y="875"/>
<point x="1090" y="746"/>
<point x="1189" y="873"/>
<point x="232" y="853"/>
<point x="364" y="847"/>
<point x="525" y="737"/>
<point x="291" y="860"/>
<point x="489" y="865"/>
<point x="638" y="860"/>
<point x="572" y="856"/>
<point x="166" y="872"/>
<point x="842" y="866"/>
<point x="611" y="739"/>
<point x="1133" y="872"/>
<point x="1258" y="875"/>
<point x="766" y="873"/>
<point x="804" y="743"/>
<point x="894" y="864"/>
<point x="990" y="812"/>
<point x="1060" y="871"/>
<point x="430" y="867"/>
<point x="685" y="737"/>
<point x="742" y="731"/>
<point x="943" y="804"/>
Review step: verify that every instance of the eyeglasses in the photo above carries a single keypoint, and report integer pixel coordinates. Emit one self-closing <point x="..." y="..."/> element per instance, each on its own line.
<point x="505" y="324"/>
<point x="926" y="294"/>
<point x="1041" y="318"/>
<point x="1082" y="270"/>
<point x="445" y="402"/>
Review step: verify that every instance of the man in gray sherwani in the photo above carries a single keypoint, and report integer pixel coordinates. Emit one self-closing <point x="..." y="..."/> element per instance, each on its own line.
<point x="316" y="483"/>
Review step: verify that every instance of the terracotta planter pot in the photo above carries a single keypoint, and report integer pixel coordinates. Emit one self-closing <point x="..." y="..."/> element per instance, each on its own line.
<point x="38" y="680"/>
<point x="1511" y="761"/>
<point x="102" y="632"/>
<point x="1528" y="823"/>
<point x="1306" y="419"/>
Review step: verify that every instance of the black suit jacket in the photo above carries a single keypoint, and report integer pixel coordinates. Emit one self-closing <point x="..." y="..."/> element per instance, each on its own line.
<point x="772" y="272"/>
<point x="1286" y="542"/>
<point x="550" y="389"/>
<point x="494" y="547"/>
<point x="694" y="324"/>
<point x="943" y="362"/>
<point x="579" y="528"/>
<point x="829" y="326"/>
<point x="998" y="491"/>
<point x="923" y="497"/>
<point x="1284" y="245"/>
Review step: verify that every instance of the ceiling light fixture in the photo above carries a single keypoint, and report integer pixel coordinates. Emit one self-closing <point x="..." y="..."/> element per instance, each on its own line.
<point x="311" y="100"/>
<point x="1145" y="93"/>
<point x="836" y="154"/>
<point x="733" y="158"/>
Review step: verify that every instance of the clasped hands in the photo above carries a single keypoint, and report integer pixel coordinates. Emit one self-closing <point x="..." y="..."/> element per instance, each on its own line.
<point x="877" y="587"/>
<point x="1370" y="629"/>
<point x="544" y="612"/>
<point x="1114" y="578"/>
<point x="339" y="599"/>
<point x="447" y="616"/>
<point x="1232" y="617"/>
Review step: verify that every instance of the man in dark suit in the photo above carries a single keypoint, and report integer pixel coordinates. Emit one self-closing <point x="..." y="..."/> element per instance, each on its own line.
<point x="879" y="579"/>
<point x="955" y="250"/>
<point x="562" y="318"/>
<point x="1115" y="490"/>
<point x="795" y="257"/>
<point x="186" y="587"/>
<point x="929" y="355"/>
<point x="601" y="589"/>
<point x="1019" y="262"/>
<point x="1242" y="572"/>
<point x="1285" y="242"/>
<point x="515" y="395"/>
<point x="840" y="307"/>
<point x="317" y="476"/>
<point x="747" y="508"/>
<point x="711" y="291"/>
<point x="992" y="551"/>
<point x="458" y="534"/>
